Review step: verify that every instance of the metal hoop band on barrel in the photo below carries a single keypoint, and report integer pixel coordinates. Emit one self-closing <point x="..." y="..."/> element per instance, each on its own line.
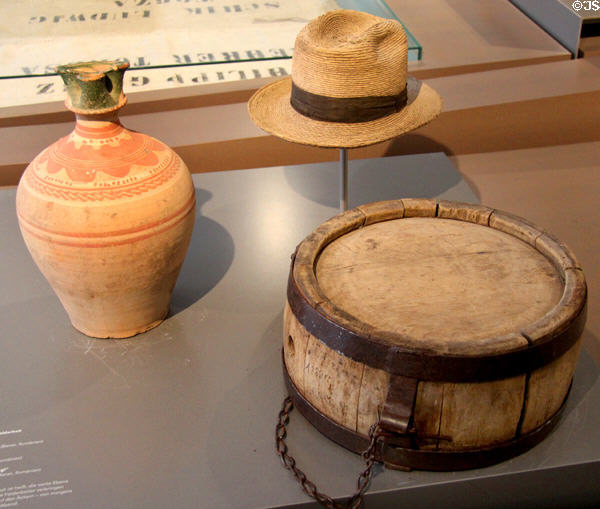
<point x="402" y="458"/>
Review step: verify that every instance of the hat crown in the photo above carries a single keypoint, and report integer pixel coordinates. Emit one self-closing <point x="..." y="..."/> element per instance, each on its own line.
<point x="351" y="54"/>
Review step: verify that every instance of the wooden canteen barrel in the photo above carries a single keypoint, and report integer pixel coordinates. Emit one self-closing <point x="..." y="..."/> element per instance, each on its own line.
<point x="456" y="327"/>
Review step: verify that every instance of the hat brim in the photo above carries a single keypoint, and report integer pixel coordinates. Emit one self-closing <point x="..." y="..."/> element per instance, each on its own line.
<point x="270" y="109"/>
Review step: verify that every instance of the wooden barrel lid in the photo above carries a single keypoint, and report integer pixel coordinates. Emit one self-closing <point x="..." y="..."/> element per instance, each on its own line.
<point x="438" y="290"/>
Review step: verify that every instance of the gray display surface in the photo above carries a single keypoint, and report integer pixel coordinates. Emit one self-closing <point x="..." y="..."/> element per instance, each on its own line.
<point x="183" y="416"/>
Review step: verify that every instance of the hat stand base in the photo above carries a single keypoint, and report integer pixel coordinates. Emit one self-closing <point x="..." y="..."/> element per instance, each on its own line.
<point x="401" y="458"/>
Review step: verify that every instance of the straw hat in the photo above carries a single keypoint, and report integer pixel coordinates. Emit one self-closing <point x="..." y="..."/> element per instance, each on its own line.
<point x="349" y="85"/>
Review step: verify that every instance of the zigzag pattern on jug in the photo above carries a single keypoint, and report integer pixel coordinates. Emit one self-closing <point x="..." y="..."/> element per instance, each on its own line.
<point x="169" y="168"/>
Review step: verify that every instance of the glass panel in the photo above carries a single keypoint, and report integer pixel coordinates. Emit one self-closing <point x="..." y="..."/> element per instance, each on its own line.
<point x="169" y="43"/>
<point x="37" y="36"/>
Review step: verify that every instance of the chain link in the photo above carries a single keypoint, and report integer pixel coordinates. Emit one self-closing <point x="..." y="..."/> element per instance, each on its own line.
<point x="308" y="486"/>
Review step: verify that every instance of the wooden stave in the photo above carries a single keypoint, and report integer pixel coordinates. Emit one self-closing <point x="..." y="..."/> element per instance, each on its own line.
<point x="406" y="456"/>
<point x="357" y="394"/>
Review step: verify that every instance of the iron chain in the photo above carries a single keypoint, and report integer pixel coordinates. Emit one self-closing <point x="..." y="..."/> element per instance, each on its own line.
<point x="308" y="486"/>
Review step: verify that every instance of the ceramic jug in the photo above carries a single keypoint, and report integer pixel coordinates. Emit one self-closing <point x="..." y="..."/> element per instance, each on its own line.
<point x="107" y="213"/>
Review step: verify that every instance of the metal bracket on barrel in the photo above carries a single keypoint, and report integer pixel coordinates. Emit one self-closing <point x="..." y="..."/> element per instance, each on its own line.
<point x="396" y="421"/>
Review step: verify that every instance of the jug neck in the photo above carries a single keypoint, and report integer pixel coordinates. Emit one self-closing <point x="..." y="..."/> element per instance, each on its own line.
<point x="95" y="87"/>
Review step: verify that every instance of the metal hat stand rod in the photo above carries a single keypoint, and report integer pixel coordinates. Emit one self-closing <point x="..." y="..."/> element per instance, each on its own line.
<point x="343" y="179"/>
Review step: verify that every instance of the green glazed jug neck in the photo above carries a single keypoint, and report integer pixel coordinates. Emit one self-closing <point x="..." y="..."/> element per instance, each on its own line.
<point x="94" y="87"/>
